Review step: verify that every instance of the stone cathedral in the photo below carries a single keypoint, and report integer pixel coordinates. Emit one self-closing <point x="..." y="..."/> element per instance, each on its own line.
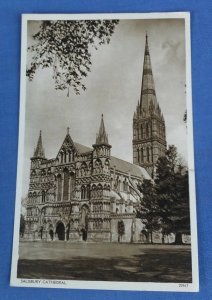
<point x="85" y="193"/>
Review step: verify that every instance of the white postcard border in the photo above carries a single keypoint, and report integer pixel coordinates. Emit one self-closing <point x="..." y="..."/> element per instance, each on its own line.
<point x="106" y="285"/>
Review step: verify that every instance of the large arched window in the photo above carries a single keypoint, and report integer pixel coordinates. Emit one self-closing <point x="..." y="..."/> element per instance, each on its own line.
<point x="141" y="135"/>
<point x="72" y="183"/>
<point x="70" y="155"/>
<point x="147" y="130"/>
<point x="65" y="185"/>
<point x="61" y="157"/>
<point x="59" y="188"/>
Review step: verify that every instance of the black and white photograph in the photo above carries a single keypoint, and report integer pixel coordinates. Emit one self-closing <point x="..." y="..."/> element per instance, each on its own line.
<point x="105" y="195"/>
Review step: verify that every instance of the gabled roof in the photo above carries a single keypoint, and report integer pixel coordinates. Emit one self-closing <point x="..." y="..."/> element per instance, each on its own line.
<point x="68" y="142"/>
<point x="127" y="167"/>
<point x="81" y="148"/>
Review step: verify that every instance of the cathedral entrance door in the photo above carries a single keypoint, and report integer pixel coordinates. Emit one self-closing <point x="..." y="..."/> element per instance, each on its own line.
<point x="60" y="230"/>
<point x="84" y="234"/>
<point x="51" y="234"/>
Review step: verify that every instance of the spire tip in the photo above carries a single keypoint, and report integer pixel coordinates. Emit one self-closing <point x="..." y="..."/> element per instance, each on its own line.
<point x="102" y="137"/>
<point x="39" y="151"/>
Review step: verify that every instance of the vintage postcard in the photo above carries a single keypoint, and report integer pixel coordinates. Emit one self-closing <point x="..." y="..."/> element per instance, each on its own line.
<point x="105" y="183"/>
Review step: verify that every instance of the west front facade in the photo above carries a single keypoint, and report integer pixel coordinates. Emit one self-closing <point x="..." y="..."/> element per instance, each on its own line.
<point x="85" y="193"/>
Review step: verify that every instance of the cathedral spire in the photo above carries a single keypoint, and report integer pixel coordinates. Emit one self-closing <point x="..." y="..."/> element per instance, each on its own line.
<point x="148" y="96"/>
<point x="102" y="137"/>
<point x="39" y="151"/>
<point x="149" y="132"/>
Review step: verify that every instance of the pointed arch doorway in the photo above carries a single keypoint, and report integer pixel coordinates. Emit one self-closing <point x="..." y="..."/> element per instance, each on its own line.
<point x="51" y="232"/>
<point x="60" y="231"/>
<point x="84" y="234"/>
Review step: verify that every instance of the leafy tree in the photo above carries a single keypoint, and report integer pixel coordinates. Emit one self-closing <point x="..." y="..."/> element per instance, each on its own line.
<point x="121" y="230"/>
<point x="181" y="211"/>
<point x="165" y="189"/>
<point x="148" y="210"/>
<point x="22" y="226"/>
<point x="65" y="46"/>
<point x="165" y="203"/>
<point x="171" y="188"/>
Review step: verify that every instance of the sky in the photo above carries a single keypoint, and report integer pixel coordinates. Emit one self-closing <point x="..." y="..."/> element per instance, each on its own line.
<point x="113" y="88"/>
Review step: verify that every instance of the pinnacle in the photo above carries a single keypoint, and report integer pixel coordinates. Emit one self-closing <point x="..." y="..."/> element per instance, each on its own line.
<point x="39" y="151"/>
<point x="102" y="137"/>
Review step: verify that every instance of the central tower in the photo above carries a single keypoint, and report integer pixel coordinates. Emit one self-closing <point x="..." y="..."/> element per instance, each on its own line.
<point x="149" y="133"/>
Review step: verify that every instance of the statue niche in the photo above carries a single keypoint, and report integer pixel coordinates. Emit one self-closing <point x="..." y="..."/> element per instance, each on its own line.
<point x="83" y="224"/>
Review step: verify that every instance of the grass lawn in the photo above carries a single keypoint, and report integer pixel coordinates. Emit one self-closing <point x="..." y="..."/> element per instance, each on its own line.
<point x="104" y="261"/>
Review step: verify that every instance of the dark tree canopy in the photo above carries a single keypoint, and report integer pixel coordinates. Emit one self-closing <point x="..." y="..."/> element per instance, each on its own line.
<point x="165" y="204"/>
<point x="148" y="210"/>
<point x="171" y="186"/>
<point x="65" y="46"/>
<point x="121" y="229"/>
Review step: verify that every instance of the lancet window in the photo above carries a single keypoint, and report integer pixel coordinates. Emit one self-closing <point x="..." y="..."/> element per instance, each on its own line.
<point x="65" y="185"/>
<point x="59" y="188"/>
